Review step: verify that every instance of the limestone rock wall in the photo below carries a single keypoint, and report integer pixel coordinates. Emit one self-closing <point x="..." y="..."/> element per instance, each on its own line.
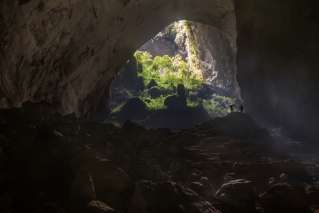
<point x="66" y="53"/>
<point x="217" y="53"/>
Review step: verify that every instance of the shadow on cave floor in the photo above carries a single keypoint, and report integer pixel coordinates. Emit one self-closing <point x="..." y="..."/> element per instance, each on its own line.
<point x="50" y="163"/>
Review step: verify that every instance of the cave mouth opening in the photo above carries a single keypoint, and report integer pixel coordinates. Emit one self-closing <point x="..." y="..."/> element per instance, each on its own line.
<point x="183" y="76"/>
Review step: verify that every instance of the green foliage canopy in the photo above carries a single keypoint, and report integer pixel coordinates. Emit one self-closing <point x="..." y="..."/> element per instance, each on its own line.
<point x="166" y="71"/>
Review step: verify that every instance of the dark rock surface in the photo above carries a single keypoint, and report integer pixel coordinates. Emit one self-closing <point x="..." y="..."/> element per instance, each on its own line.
<point x="237" y="196"/>
<point x="175" y="103"/>
<point x="99" y="207"/>
<point x="167" y="197"/>
<point x="51" y="163"/>
<point x="284" y="198"/>
<point x="134" y="109"/>
<point x="231" y="125"/>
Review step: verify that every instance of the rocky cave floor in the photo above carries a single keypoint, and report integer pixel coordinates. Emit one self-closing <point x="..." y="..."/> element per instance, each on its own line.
<point x="50" y="163"/>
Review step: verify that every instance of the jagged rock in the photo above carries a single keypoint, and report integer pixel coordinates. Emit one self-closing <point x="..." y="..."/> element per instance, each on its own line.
<point x="61" y="174"/>
<point x="96" y="206"/>
<point x="167" y="197"/>
<point x="237" y="196"/>
<point x="283" y="197"/>
<point x="160" y="45"/>
<point x="100" y="179"/>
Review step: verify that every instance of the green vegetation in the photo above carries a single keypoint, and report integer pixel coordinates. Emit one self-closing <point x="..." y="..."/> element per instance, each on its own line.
<point x="193" y="103"/>
<point x="215" y="106"/>
<point x="162" y="74"/>
<point x="218" y="105"/>
<point x="166" y="71"/>
<point x="153" y="103"/>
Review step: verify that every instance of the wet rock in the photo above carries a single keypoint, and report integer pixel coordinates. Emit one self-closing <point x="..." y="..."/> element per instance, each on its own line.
<point x="237" y="196"/>
<point x="283" y="197"/>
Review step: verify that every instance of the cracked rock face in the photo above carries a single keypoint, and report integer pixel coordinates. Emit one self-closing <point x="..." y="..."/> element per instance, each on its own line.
<point x="217" y="53"/>
<point x="66" y="53"/>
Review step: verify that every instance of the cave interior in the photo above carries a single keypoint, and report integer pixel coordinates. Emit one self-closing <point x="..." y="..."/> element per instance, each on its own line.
<point x="143" y="106"/>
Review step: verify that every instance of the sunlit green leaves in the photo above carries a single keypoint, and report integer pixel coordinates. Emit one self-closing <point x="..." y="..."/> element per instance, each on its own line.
<point x="166" y="71"/>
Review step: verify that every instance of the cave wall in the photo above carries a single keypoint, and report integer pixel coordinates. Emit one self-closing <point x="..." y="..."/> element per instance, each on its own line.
<point x="66" y="53"/>
<point x="278" y="62"/>
<point x="217" y="53"/>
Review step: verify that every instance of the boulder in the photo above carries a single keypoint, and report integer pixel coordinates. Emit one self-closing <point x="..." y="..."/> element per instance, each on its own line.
<point x="237" y="196"/>
<point x="99" y="179"/>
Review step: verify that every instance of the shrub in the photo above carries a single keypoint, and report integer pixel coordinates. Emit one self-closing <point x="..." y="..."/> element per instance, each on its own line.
<point x="154" y="103"/>
<point x="166" y="71"/>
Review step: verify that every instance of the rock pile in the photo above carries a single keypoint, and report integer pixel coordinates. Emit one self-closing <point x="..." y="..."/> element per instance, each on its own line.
<point x="59" y="164"/>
